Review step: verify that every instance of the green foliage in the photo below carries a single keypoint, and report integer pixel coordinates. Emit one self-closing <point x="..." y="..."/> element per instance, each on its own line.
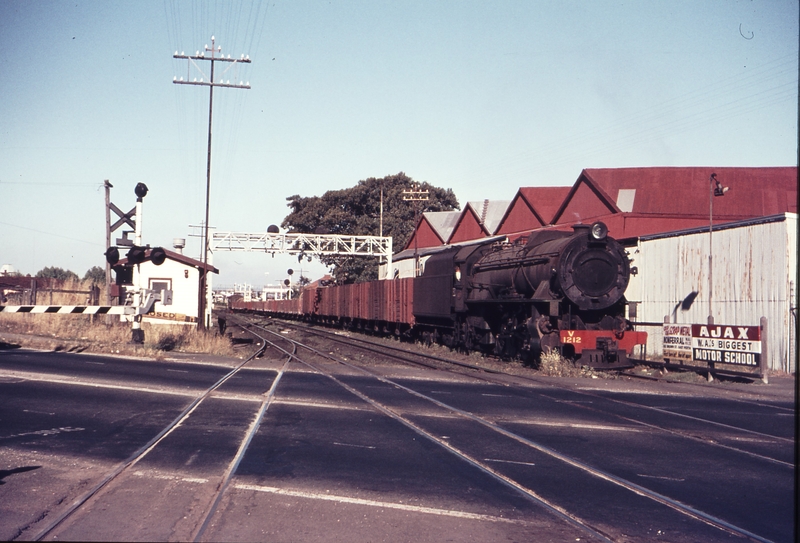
<point x="356" y="212"/>
<point x="60" y="274"/>
<point x="96" y="275"/>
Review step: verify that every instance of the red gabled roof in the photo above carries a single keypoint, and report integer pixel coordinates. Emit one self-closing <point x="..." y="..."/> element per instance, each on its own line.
<point x="425" y="234"/>
<point x="681" y="191"/>
<point x="469" y="227"/>
<point x="532" y="207"/>
<point x="545" y="201"/>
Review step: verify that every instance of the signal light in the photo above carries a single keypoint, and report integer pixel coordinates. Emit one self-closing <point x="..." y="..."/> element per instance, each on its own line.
<point x="286" y="282"/>
<point x="140" y="190"/>
<point x="124" y="275"/>
<point x="158" y="255"/>
<point x="112" y="255"/>
<point x="136" y="255"/>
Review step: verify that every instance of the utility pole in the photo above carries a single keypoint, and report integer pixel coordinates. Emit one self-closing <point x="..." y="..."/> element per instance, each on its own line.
<point x="414" y="194"/>
<point x="108" y="186"/>
<point x="210" y="83"/>
<point x="715" y="189"/>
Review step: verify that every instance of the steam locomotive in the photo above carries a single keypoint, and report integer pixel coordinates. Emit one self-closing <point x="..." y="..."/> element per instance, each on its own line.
<point x="556" y="290"/>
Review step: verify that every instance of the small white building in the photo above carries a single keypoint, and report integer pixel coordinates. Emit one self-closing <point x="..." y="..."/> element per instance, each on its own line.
<point x="181" y="275"/>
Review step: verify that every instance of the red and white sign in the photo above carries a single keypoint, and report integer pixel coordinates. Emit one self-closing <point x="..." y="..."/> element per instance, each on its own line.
<point x="677" y="343"/>
<point x="726" y="344"/>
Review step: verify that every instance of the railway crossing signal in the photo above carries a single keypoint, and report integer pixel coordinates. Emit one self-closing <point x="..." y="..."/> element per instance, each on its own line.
<point x="142" y="299"/>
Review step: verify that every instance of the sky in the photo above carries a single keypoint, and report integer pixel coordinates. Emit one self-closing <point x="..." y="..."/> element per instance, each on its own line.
<point x="480" y="97"/>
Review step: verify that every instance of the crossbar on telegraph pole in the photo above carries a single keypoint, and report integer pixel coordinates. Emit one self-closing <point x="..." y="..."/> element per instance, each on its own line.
<point x="210" y="83"/>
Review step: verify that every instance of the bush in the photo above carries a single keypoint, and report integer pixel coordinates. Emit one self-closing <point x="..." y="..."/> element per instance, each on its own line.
<point x="553" y="364"/>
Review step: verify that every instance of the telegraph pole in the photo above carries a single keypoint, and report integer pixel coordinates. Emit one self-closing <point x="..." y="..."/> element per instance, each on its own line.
<point x="210" y="83"/>
<point x="415" y="194"/>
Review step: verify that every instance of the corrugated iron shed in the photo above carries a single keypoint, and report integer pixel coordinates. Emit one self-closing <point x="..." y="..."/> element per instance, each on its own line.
<point x="754" y="276"/>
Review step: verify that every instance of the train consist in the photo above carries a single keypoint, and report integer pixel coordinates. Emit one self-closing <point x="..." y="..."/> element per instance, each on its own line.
<point x="555" y="290"/>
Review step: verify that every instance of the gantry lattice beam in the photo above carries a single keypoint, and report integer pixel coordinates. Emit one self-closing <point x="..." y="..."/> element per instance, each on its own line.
<point x="304" y="244"/>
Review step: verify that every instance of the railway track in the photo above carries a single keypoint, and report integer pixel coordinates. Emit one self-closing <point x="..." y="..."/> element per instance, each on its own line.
<point x="107" y="481"/>
<point x="574" y="462"/>
<point x="423" y="359"/>
<point x="474" y="432"/>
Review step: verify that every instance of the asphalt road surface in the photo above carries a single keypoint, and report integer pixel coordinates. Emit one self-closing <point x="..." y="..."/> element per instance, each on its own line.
<point x="325" y="452"/>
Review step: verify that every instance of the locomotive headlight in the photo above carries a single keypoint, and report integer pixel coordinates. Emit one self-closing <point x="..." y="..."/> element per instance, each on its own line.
<point x="458" y="273"/>
<point x="599" y="231"/>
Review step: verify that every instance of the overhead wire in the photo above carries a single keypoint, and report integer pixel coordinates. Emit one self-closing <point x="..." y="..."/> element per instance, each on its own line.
<point x="728" y="89"/>
<point x="224" y="21"/>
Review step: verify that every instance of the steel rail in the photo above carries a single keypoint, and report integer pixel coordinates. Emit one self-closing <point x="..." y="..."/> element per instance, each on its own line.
<point x="685" y="435"/>
<point x="676" y="505"/>
<point x="373" y="347"/>
<point x="140" y="453"/>
<point x="251" y="432"/>
<point x="381" y="350"/>
<point x="554" y="509"/>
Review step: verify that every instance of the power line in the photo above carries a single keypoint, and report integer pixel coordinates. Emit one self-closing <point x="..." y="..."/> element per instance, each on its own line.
<point x="51" y="234"/>
<point x="717" y="101"/>
<point x="49" y="184"/>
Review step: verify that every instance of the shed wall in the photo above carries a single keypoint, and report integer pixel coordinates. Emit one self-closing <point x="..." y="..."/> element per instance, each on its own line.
<point x="754" y="271"/>
<point x="184" y="289"/>
<point x="468" y="229"/>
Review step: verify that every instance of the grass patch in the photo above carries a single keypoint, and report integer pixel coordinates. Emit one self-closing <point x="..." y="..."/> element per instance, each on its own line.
<point x="81" y="333"/>
<point x="102" y="334"/>
<point x="552" y="364"/>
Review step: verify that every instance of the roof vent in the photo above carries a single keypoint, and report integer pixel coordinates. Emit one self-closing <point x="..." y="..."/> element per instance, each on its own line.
<point x="625" y="199"/>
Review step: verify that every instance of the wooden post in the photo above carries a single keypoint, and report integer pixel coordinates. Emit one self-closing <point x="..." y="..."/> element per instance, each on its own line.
<point x="107" y="187"/>
<point x="764" y="362"/>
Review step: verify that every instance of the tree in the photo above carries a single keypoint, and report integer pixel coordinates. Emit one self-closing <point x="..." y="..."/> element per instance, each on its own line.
<point x="356" y="211"/>
<point x="59" y="274"/>
<point x="96" y="275"/>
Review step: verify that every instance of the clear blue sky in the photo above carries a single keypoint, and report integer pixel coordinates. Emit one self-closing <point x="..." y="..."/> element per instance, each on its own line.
<point x="480" y="97"/>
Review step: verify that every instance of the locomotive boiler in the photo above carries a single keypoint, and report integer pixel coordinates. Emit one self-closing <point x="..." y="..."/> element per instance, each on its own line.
<point x="555" y="290"/>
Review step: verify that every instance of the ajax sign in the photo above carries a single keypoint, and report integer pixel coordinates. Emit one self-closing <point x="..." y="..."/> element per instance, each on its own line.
<point x="726" y="344"/>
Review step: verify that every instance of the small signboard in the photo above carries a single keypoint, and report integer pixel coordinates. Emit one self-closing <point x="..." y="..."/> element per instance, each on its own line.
<point x="723" y="344"/>
<point x="678" y="342"/>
